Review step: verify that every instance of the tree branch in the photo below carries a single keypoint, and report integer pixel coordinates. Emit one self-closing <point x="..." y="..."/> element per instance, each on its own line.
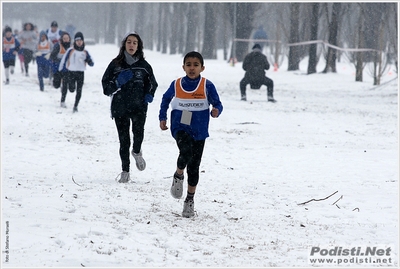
<point x="75" y="182"/>
<point x="318" y="199"/>
<point x="338" y="200"/>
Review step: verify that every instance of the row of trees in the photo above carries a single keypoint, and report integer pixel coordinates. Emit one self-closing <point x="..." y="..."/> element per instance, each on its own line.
<point x="178" y="27"/>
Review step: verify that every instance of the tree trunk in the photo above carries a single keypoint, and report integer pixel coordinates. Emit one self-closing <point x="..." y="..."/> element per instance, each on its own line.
<point x="159" y="37"/>
<point x="139" y="19"/>
<point x="294" y="37"/>
<point x="110" y="32"/>
<point x="165" y="27"/>
<point x="395" y="39"/>
<point x="120" y="23"/>
<point x="209" y="39"/>
<point x="333" y="32"/>
<point x="359" y="55"/>
<point x="244" y="15"/>
<point x="191" y="30"/>
<point x="312" y="60"/>
<point x="99" y="24"/>
<point x="378" y="59"/>
<point x="277" y="46"/>
<point x="181" y="27"/>
<point x="174" y="29"/>
<point x="371" y="28"/>
<point x="376" y="72"/>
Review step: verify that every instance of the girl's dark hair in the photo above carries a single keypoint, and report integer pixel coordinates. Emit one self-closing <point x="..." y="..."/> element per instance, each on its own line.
<point x="194" y="54"/>
<point x="63" y="33"/>
<point x="139" y="53"/>
<point x="26" y="24"/>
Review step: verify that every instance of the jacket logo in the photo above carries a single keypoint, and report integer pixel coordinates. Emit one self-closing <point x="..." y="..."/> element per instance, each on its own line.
<point x="138" y="75"/>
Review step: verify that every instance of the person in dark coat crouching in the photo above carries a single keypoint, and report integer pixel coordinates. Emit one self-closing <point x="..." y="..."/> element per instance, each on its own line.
<point x="254" y="64"/>
<point x="130" y="82"/>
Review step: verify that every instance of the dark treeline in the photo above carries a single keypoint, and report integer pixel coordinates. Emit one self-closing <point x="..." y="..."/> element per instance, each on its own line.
<point x="178" y="27"/>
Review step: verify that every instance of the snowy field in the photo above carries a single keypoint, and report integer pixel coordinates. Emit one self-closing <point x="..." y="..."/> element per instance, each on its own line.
<point x="327" y="134"/>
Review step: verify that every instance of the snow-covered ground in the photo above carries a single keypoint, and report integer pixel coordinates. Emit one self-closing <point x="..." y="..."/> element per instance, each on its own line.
<point x="327" y="134"/>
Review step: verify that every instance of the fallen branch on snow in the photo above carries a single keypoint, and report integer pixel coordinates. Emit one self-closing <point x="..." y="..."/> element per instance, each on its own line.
<point x="75" y="182"/>
<point x="318" y="199"/>
<point x="338" y="200"/>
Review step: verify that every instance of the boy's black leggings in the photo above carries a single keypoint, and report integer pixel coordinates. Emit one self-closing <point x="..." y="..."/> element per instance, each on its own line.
<point x="123" y="123"/>
<point x="190" y="153"/>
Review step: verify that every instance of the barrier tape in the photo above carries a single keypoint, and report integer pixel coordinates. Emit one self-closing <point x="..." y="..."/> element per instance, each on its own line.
<point x="307" y="43"/>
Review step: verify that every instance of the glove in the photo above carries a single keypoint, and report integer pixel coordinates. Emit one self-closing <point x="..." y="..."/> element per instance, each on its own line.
<point x="89" y="61"/>
<point x="39" y="53"/>
<point x="123" y="77"/>
<point x="47" y="56"/>
<point x="148" y="98"/>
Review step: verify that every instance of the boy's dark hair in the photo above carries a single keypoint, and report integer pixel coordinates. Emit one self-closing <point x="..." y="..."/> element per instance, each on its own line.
<point x="194" y="54"/>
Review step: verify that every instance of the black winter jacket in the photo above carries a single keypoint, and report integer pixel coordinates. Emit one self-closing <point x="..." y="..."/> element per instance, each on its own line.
<point x="254" y="64"/>
<point x="130" y="97"/>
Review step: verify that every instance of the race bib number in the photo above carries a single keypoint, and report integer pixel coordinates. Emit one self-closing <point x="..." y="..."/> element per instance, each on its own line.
<point x="186" y="117"/>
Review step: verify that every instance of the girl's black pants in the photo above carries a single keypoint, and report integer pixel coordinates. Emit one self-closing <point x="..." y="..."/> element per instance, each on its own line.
<point x="138" y="119"/>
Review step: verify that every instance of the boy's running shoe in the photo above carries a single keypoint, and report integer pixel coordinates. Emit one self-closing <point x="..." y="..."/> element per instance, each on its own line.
<point x="188" y="209"/>
<point x="140" y="162"/>
<point x="177" y="186"/>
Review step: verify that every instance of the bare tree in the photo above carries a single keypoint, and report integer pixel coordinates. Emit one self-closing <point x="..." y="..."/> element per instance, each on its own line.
<point x="191" y="30"/>
<point x="223" y="9"/>
<point x="395" y="42"/>
<point x="179" y="28"/>
<point x="359" y="58"/>
<point x="333" y="31"/>
<point x="121" y="22"/>
<point x="305" y="12"/>
<point x="313" y="60"/>
<point x="159" y="26"/>
<point x="99" y="23"/>
<point x="244" y="26"/>
<point x="294" y="37"/>
<point x="209" y="42"/>
<point x="139" y="17"/>
<point x="279" y="31"/>
<point x="165" y="27"/>
<point x="175" y="17"/>
<point x="110" y="26"/>
<point x="379" y="31"/>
